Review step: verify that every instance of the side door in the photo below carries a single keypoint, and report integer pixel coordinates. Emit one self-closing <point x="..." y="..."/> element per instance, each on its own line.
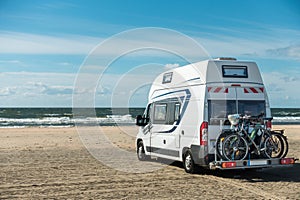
<point x="164" y="138"/>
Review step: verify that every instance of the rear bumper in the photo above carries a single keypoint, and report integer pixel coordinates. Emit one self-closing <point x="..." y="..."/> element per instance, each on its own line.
<point x="257" y="163"/>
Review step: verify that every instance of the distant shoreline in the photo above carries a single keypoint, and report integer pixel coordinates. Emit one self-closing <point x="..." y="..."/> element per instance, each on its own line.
<point x="65" y="117"/>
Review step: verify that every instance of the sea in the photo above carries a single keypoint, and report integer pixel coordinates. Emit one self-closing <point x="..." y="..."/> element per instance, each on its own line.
<point x="67" y="117"/>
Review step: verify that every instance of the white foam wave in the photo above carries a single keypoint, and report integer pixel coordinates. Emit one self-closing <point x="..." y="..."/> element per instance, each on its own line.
<point x="65" y="121"/>
<point x="286" y="119"/>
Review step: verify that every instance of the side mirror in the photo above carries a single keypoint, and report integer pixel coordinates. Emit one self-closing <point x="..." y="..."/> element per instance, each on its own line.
<point x="141" y="121"/>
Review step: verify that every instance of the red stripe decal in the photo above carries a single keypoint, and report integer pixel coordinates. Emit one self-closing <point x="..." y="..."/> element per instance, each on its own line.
<point x="261" y="89"/>
<point x="226" y="90"/>
<point x="209" y="88"/>
<point x="253" y="90"/>
<point x="217" y="89"/>
<point x="245" y="90"/>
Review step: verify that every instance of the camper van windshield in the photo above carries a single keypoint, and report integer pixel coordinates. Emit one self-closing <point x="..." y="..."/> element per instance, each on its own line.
<point x="218" y="110"/>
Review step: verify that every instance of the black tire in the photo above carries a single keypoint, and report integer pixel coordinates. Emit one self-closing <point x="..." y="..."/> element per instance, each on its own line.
<point x="275" y="146"/>
<point x="188" y="162"/>
<point x="235" y="147"/>
<point x="285" y="142"/>
<point x="219" y="143"/>
<point x="141" y="152"/>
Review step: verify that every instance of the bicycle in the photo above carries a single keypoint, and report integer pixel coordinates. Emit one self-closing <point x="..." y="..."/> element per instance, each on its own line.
<point x="249" y="137"/>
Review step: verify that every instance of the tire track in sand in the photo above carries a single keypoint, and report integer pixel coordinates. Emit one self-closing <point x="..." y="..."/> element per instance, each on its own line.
<point x="242" y="185"/>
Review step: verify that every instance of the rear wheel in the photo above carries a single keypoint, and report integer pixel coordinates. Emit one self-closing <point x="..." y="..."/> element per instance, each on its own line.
<point x="275" y="146"/>
<point x="188" y="162"/>
<point x="285" y="143"/>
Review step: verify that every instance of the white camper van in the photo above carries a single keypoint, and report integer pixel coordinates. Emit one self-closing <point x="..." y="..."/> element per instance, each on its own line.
<point x="188" y="109"/>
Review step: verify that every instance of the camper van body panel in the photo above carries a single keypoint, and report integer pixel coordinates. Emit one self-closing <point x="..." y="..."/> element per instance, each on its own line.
<point x="183" y="98"/>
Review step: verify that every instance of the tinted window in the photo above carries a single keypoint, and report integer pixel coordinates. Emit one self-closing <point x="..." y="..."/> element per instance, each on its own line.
<point x="176" y="112"/>
<point x="166" y="111"/>
<point x="252" y="108"/>
<point x="235" y="71"/>
<point x="219" y="110"/>
<point x="160" y="113"/>
<point x="167" y="78"/>
<point x="148" y="113"/>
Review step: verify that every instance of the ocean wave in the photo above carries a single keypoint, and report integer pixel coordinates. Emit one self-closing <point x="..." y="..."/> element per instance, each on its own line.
<point x="286" y="120"/>
<point x="65" y="121"/>
<point x="108" y="120"/>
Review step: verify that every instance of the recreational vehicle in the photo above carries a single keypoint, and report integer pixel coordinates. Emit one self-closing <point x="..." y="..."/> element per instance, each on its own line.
<point x="189" y="108"/>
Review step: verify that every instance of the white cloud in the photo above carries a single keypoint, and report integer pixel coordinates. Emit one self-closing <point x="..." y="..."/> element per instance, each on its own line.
<point x="25" y="43"/>
<point x="57" y="88"/>
<point x="254" y="42"/>
<point x="141" y="39"/>
<point x="283" y="88"/>
<point x="171" y="66"/>
<point x="11" y="62"/>
<point x="7" y="91"/>
<point x="138" y="40"/>
<point x="36" y="89"/>
<point x="65" y="64"/>
<point x="292" y="51"/>
<point x="49" y="89"/>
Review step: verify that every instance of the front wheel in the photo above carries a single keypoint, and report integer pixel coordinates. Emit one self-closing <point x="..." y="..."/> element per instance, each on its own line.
<point x="141" y="152"/>
<point x="188" y="162"/>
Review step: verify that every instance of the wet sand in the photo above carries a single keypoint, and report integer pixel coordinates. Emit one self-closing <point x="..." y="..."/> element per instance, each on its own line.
<point x="52" y="163"/>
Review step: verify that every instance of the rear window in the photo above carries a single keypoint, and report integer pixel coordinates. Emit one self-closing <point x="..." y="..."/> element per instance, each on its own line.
<point x="234" y="71"/>
<point x="253" y="108"/>
<point x="218" y="110"/>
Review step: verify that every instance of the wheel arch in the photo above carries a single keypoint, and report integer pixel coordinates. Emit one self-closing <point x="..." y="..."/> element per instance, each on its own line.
<point x="138" y="141"/>
<point x="184" y="150"/>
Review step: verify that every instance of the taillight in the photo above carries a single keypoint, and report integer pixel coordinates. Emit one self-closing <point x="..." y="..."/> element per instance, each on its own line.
<point x="269" y="125"/>
<point x="228" y="164"/>
<point x="203" y="133"/>
<point x="287" y="161"/>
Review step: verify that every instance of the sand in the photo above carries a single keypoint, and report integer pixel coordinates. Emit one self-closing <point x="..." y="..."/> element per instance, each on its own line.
<point x="52" y="163"/>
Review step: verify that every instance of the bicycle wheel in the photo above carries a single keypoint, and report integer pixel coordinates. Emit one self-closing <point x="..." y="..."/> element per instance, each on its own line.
<point x="219" y="143"/>
<point x="235" y="147"/>
<point x="275" y="146"/>
<point x="285" y="142"/>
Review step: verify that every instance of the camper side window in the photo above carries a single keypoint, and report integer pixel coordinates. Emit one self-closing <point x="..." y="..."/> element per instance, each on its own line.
<point x="160" y="113"/>
<point x="149" y="113"/>
<point x="177" y="112"/>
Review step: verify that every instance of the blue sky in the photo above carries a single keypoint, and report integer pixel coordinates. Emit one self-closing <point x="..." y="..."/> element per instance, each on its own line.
<point x="44" y="43"/>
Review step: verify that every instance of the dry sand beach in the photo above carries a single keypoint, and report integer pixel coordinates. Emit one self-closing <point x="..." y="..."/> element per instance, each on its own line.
<point x="52" y="163"/>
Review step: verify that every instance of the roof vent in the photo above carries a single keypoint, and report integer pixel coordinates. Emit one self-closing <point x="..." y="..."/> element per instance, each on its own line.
<point x="225" y="58"/>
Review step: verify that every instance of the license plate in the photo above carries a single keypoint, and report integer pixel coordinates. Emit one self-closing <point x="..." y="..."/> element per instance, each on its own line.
<point x="258" y="162"/>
